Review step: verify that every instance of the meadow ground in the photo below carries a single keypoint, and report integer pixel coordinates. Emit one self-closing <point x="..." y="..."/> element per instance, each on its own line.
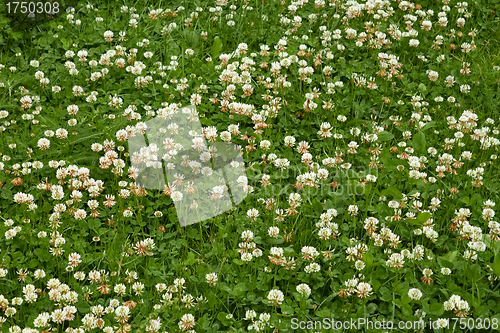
<point x="368" y="140"/>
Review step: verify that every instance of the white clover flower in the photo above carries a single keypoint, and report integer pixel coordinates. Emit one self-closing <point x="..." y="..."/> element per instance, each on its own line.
<point x="265" y="144"/>
<point x="225" y="136"/>
<point x="359" y="265"/>
<point x="414" y="42"/>
<point x="312" y="268"/>
<point x="176" y="196"/>
<point x="252" y="214"/>
<point x="304" y="289"/>
<point x="281" y="163"/>
<point x="211" y="278"/>
<point x="275" y="297"/>
<point x="250" y="314"/>
<point x="445" y="271"/>
<point x="246" y="256"/>
<point x="289" y="141"/>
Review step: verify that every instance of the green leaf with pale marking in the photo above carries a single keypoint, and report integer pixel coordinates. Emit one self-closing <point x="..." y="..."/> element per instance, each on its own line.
<point x="419" y="141"/>
<point x="385" y="136"/>
<point x="216" y="47"/>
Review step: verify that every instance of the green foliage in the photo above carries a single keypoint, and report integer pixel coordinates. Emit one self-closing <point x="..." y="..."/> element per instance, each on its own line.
<point x="380" y="208"/>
